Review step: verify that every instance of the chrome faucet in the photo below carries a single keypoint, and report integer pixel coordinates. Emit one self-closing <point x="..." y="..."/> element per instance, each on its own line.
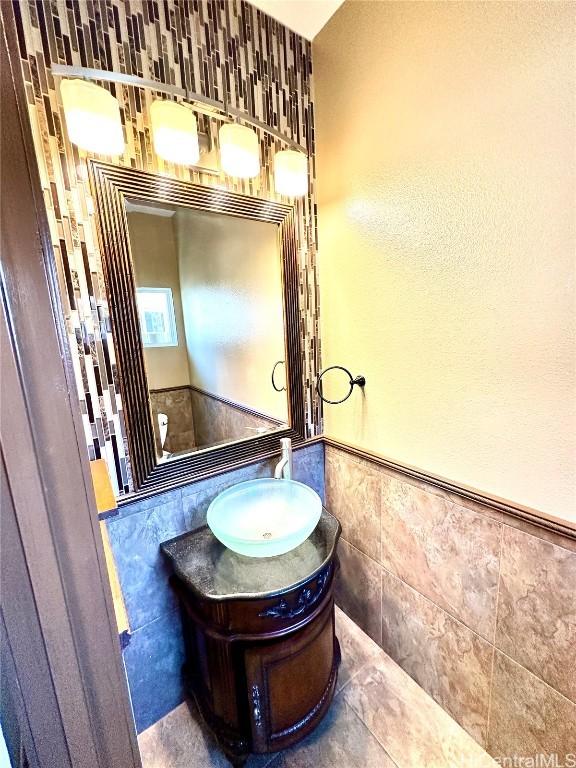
<point x="284" y="466"/>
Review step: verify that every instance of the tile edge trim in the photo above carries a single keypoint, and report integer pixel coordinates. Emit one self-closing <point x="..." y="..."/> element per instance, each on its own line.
<point x="527" y="514"/>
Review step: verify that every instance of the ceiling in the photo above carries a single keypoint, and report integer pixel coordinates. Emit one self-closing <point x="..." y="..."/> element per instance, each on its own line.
<point x="306" y="17"/>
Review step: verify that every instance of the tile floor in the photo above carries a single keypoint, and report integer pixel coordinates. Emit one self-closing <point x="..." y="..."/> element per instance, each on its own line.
<point x="380" y="718"/>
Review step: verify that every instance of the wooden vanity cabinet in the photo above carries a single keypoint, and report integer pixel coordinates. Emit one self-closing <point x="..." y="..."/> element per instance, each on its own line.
<point x="291" y="682"/>
<point x="262" y="666"/>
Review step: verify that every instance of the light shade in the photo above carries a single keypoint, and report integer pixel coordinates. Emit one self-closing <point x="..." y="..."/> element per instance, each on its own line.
<point x="174" y="132"/>
<point x="291" y="173"/>
<point x="92" y="117"/>
<point x="239" y="151"/>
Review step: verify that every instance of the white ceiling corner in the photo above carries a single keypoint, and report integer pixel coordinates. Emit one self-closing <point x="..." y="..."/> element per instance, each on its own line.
<point x="306" y="17"/>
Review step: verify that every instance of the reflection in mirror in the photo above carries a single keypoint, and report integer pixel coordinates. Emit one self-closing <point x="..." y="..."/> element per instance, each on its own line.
<point x="209" y="297"/>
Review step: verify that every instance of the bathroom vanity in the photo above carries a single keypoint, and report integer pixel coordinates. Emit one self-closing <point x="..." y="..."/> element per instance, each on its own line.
<point x="261" y="652"/>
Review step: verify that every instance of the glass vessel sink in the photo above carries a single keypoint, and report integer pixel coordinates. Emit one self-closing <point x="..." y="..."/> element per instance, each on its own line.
<point x="264" y="518"/>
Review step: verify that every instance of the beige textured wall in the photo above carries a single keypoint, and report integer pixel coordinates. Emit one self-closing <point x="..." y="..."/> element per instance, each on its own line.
<point x="445" y="162"/>
<point x="153" y="245"/>
<point x="231" y="283"/>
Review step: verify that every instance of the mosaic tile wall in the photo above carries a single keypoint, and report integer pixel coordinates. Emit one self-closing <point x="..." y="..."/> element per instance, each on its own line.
<point x="223" y="49"/>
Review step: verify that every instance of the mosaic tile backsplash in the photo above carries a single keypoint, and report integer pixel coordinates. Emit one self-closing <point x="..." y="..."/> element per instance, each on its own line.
<point x="224" y="50"/>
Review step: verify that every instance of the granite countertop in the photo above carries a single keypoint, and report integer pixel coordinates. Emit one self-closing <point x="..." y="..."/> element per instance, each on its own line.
<point x="215" y="572"/>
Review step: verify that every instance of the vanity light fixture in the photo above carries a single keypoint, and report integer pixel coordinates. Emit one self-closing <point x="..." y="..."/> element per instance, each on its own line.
<point x="92" y="117"/>
<point x="239" y="151"/>
<point x="174" y="132"/>
<point x="291" y="173"/>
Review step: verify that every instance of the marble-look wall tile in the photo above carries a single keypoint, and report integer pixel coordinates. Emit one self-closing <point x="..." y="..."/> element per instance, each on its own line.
<point x="445" y="551"/>
<point x="309" y="468"/>
<point x="353" y="496"/>
<point x="448" y="660"/>
<point x="143" y="573"/>
<point x="536" y="622"/>
<point x="176" y="404"/>
<point x="218" y="421"/>
<point x="528" y="718"/>
<point x="546" y="534"/>
<point x="153" y="661"/>
<point x="148" y="502"/>
<point x="358" y="589"/>
<point x="450" y="566"/>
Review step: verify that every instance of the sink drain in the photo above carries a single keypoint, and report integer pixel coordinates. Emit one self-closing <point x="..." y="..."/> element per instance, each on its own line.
<point x="267" y="535"/>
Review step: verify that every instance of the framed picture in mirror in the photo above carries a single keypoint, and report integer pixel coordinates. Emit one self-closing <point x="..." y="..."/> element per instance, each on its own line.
<point x="202" y="287"/>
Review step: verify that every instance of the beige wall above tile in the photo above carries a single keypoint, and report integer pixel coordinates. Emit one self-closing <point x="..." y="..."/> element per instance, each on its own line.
<point x="446" y="137"/>
<point x="153" y="246"/>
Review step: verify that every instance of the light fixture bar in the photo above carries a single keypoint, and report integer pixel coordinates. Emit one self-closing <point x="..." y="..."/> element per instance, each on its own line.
<point x="216" y="109"/>
<point x="63" y="70"/>
<point x="263" y="127"/>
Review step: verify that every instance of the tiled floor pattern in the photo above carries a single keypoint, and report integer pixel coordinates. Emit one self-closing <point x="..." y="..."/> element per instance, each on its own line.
<point x="380" y="718"/>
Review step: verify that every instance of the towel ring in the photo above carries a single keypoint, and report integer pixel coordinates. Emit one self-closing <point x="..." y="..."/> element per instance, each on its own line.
<point x="359" y="381"/>
<point x="278" y="389"/>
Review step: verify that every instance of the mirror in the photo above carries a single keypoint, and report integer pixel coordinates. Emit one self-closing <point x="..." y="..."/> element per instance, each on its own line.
<point x="203" y="290"/>
<point x="210" y="309"/>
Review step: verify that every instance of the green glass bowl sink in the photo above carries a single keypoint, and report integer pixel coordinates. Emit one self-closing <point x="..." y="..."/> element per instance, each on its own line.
<point x="266" y="517"/>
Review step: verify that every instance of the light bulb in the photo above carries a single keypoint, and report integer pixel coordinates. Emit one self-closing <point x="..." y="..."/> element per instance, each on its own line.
<point x="239" y="151"/>
<point x="174" y="132"/>
<point x="92" y="117"/>
<point x="291" y="173"/>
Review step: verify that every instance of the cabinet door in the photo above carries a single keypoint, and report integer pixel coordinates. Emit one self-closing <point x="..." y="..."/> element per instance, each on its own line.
<point x="291" y="683"/>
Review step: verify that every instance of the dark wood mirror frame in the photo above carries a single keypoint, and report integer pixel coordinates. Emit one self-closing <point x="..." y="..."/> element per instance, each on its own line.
<point x="111" y="185"/>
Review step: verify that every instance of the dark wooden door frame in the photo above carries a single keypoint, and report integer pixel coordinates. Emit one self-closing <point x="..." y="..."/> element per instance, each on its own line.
<point x="61" y="643"/>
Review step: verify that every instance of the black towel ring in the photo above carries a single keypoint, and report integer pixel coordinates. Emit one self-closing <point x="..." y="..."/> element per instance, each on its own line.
<point x="359" y="381"/>
<point x="278" y="389"/>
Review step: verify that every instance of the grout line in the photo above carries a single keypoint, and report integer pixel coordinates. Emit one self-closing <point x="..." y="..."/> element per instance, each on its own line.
<point x="540" y="538"/>
<point x="490" y="690"/>
<point x="498" y="583"/>
<point x="433" y="602"/>
<point x="273" y="758"/>
<point x="360" y="669"/>
<point x="493" y="661"/>
<point x="382" y="607"/>
<point x="541" y="530"/>
<point x="537" y="677"/>
<point x="458" y="726"/>
<point x="369" y="637"/>
<point x="462" y="624"/>
<point x="371" y="732"/>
